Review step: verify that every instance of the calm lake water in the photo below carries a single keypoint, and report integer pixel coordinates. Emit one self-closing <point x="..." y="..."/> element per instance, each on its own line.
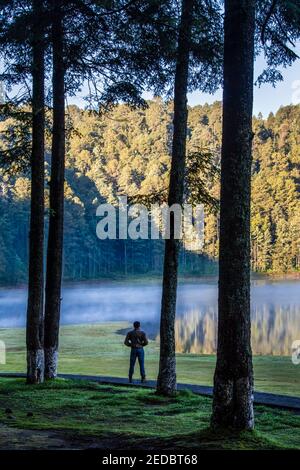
<point x="275" y="311"/>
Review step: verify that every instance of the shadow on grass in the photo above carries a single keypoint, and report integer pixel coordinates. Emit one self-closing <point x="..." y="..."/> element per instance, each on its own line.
<point x="86" y="415"/>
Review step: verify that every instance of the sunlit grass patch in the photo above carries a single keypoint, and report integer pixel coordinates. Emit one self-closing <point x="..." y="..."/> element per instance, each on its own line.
<point x="99" y="350"/>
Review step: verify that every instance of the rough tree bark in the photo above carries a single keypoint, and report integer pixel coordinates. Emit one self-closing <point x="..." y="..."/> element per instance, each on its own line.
<point x="34" y="326"/>
<point x="233" y="380"/>
<point x="166" y="381"/>
<point x="56" y="216"/>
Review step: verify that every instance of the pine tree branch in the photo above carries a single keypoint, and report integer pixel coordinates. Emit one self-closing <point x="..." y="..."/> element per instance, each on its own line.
<point x="89" y="11"/>
<point x="267" y="19"/>
<point x="283" y="31"/>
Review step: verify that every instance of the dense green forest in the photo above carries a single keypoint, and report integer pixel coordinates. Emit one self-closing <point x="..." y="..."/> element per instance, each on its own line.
<point x="126" y="151"/>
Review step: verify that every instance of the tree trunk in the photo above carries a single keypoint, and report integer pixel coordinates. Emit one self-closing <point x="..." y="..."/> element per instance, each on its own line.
<point x="34" y="326"/>
<point x="56" y="216"/>
<point x="166" y="381"/>
<point x="233" y="380"/>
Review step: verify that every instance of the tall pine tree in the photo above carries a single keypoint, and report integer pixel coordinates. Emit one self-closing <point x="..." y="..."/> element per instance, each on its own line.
<point x="56" y="209"/>
<point x="35" y="306"/>
<point x="166" y="382"/>
<point x="277" y="25"/>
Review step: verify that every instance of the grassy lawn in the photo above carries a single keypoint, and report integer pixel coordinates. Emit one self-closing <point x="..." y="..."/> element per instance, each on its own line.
<point x="132" y="418"/>
<point x="99" y="350"/>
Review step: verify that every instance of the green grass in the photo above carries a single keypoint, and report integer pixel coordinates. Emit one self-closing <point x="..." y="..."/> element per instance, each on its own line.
<point x="99" y="350"/>
<point x="136" y="416"/>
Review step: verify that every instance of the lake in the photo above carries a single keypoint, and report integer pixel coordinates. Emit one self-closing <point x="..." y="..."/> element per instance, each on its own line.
<point x="275" y="311"/>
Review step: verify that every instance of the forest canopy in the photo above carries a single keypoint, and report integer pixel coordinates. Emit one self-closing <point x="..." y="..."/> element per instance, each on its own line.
<point x="127" y="151"/>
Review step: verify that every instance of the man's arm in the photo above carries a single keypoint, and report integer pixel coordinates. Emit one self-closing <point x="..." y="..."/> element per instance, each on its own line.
<point x="145" y="340"/>
<point x="127" y="341"/>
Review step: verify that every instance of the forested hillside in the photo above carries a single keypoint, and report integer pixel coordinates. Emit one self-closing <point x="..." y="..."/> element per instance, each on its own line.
<point x="128" y="152"/>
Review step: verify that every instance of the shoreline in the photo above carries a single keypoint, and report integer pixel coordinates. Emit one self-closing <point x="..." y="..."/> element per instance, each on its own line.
<point x="294" y="276"/>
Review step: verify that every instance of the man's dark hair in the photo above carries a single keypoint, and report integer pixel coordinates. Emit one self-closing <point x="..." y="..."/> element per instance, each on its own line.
<point x="136" y="324"/>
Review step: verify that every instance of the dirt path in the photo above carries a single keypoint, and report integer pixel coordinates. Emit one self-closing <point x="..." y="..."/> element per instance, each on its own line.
<point x="33" y="439"/>
<point x="30" y="439"/>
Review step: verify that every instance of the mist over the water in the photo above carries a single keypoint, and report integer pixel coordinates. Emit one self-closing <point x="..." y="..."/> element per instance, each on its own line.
<point x="275" y="311"/>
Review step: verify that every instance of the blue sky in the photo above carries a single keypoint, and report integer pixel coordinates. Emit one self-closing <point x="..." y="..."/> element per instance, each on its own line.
<point x="266" y="98"/>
